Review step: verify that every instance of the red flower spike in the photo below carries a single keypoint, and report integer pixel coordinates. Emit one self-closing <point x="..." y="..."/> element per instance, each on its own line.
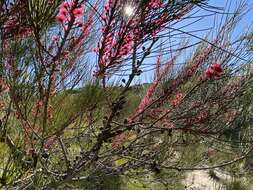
<point x="214" y="70"/>
<point x="217" y="67"/>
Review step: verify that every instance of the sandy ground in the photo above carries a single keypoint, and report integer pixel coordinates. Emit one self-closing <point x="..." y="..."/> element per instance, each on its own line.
<point x="200" y="180"/>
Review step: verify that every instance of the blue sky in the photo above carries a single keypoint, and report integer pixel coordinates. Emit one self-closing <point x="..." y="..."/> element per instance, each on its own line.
<point x="246" y="21"/>
<point x="207" y="22"/>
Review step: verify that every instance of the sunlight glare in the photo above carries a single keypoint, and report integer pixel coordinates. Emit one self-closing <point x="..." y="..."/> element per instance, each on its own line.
<point x="129" y="10"/>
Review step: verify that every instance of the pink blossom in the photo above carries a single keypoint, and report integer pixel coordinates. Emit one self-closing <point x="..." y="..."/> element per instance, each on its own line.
<point x="65" y="5"/>
<point x="155" y="4"/>
<point x="217" y="67"/>
<point x="106" y="8"/>
<point x="103" y="17"/>
<point x="63" y="11"/>
<point x="178" y="99"/>
<point x="55" y="38"/>
<point x="147" y="100"/>
<point x="78" y="12"/>
<point x="61" y="18"/>
<point x="214" y="70"/>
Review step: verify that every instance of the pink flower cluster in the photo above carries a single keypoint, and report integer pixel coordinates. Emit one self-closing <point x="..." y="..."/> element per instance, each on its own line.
<point x="201" y="117"/>
<point x="114" y="46"/>
<point x="194" y="65"/>
<point x="68" y="9"/>
<point x="147" y="100"/>
<point x="107" y="10"/>
<point x="213" y="71"/>
<point x="178" y="99"/>
<point x="155" y="4"/>
<point x="115" y="50"/>
<point x="127" y="45"/>
<point x="107" y="6"/>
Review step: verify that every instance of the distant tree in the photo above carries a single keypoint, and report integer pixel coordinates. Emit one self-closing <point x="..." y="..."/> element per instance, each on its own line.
<point x="72" y="114"/>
